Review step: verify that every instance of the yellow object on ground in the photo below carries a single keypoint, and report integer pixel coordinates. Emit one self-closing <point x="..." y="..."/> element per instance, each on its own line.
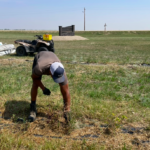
<point x="47" y="37"/>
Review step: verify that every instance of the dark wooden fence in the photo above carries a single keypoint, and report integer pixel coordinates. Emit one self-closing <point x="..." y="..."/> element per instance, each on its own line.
<point x="67" y="31"/>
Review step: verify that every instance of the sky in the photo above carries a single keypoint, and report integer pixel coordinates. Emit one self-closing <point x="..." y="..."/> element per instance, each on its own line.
<point x="50" y="14"/>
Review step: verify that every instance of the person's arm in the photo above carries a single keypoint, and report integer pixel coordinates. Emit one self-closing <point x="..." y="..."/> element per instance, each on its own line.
<point x="66" y="96"/>
<point x="37" y="81"/>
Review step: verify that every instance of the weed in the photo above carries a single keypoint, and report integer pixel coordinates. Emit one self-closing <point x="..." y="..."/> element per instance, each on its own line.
<point x="126" y="147"/>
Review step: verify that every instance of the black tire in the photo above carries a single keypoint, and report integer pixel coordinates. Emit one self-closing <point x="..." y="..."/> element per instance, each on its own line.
<point x="21" y="51"/>
<point x="42" y="49"/>
<point x="53" y="50"/>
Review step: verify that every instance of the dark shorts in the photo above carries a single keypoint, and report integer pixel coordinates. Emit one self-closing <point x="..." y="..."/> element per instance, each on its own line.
<point x="40" y="78"/>
<point x="34" y="64"/>
<point x="34" y="61"/>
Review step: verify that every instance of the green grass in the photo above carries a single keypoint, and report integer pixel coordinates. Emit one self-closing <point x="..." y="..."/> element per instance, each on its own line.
<point x="115" y="94"/>
<point x="110" y="47"/>
<point x="107" y="50"/>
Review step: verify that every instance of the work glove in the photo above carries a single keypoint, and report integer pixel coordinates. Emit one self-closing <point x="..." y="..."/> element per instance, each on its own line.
<point x="46" y="91"/>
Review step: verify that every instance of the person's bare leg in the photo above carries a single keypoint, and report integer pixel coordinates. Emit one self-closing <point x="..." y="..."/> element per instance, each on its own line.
<point x="34" y="91"/>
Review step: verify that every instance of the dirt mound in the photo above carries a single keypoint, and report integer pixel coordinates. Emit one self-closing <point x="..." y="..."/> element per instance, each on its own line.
<point x="68" y="38"/>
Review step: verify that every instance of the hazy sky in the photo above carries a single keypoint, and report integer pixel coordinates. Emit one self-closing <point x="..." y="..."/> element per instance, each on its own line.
<point x="49" y="14"/>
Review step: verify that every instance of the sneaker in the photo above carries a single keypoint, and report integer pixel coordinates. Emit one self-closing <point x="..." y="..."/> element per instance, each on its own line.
<point x="32" y="115"/>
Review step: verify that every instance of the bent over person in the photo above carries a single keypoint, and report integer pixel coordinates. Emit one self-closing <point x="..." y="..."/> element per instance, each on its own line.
<point x="47" y="63"/>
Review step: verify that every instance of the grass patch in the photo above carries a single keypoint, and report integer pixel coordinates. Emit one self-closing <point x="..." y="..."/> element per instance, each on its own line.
<point x="112" y="90"/>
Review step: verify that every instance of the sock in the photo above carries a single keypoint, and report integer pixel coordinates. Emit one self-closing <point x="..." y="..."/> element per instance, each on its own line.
<point x="33" y="102"/>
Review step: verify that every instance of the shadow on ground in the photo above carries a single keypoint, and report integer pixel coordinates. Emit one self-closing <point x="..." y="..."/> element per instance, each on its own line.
<point x="29" y="55"/>
<point x="16" y="112"/>
<point x="16" y="108"/>
<point x="21" y="109"/>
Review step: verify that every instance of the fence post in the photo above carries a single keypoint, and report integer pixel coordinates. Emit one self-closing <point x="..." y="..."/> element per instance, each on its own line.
<point x="60" y="30"/>
<point x="73" y="29"/>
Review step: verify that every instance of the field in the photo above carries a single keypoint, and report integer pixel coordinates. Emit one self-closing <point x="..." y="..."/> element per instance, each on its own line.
<point x="109" y="82"/>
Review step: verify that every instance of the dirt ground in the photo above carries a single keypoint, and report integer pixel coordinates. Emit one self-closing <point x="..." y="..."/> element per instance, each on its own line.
<point x="68" y="38"/>
<point x="53" y="126"/>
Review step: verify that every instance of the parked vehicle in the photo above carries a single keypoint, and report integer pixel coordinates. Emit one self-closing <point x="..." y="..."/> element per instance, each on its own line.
<point x="40" y="44"/>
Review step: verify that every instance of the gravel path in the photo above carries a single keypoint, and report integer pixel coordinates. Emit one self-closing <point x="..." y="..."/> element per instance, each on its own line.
<point x="68" y="38"/>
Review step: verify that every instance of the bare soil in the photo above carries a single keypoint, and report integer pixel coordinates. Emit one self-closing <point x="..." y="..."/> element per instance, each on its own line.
<point x="53" y="126"/>
<point x="68" y="38"/>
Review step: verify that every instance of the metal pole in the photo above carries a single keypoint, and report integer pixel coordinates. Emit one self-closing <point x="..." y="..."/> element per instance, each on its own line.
<point x="60" y="30"/>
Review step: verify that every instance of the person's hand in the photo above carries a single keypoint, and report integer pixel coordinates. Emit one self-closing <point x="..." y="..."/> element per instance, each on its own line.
<point x="46" y="91"/>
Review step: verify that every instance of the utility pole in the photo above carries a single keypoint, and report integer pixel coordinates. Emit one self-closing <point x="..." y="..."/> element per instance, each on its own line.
<point x="84" y="18"/>
<point x="105" y="27"/>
